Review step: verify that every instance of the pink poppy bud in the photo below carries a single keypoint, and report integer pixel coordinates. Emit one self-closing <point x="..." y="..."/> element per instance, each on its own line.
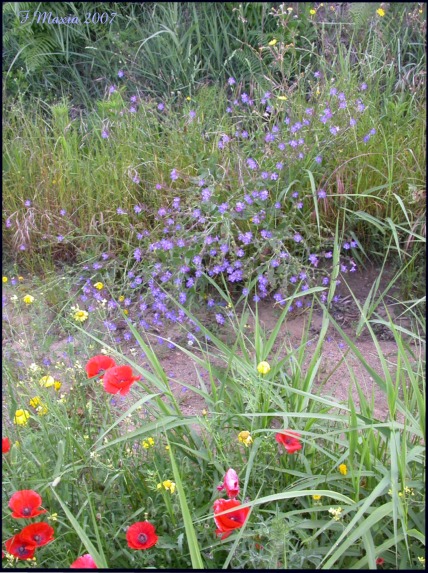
<point x="231" y="483"/>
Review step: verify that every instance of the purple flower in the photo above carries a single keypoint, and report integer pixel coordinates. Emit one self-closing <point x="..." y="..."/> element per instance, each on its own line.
<point x="111" y="89"/>
<point x="298" y="238"/>
<point x="120" y="211"/>
<point x="8" y="223"/>
<point x="192" y="114"/>
<point x="62" y="212"/>
<point x="252" y="164"/>
<point x="105" y="134"/>
<point x="60" y="238"/>
<point x="133" y="99"/>
<point x="317" y="74"/>
<point x="314" y="260"/>
<point x="219" y="318"/>
<point x="137" y="209"/>
<point x="352" y="122"/>
<point x="223" y="208"/>
<point x="120" y="74"/>
<point x="174" y="175"/>
<point x="27" y="203"/>
<point x="136" y="179"/>
<point x="346" y="246"/>
<point x="239" y="206"/>
<point x="318" y="159"/>
<point x="363" y="86"/>
<point x="322" y="194"/>
<point x="231" y="81"/>
<point x="328" y="255"/>
<point x="161" y="106"/>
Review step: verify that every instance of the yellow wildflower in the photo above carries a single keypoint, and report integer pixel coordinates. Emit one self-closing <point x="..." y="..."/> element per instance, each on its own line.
<point x="168" y="485"/>
<point x="204" y="412"/>
<point x="188" y="98"/>
<point x="57" y="385"/>
<point x="34" y="402"/>
<point x="282" y="98"/>
<point x="245" y="438"/>
<point x="126" y="311"/>
<point x="121" y="298"/>
<point x="28" y="299"/>
<point x="47" y="381"/>
<point x="53" y="517"/>
<point x="421" y="560"/>
<point x="167" y="447"/>
<point x="20" y="278"/>
<point x="263" y="367"/>
<point x="316" y="497"/>
<point x="21" y="417"/>
<point x="272" y="42"/>
<point x="80" y="315"/>
<point x="42" y="410"/>
<point x="343" y="469"/>
<point x="99" y="286"/>
<point x="149" y="443"/>
<point x="380" y="12"/>
<point x="312" y="11"/>
<point x="5" y="279"/>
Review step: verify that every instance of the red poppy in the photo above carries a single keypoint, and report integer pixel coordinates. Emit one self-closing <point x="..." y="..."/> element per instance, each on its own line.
<point x="118" y="380"/>
<point x="141" y="535"/>
<point x="5" y="445"/>
<point x="230" y="483"/>
<point x="24" y="503"/>
<point x="98" y="364"/>
<point x="20" y="547"/>
<point x="229" y="521"/>
<point x="84" y="562"/>
<point x="380" y="561"/>
<point x="38" y="533"/>
<point x="290" y="440"/>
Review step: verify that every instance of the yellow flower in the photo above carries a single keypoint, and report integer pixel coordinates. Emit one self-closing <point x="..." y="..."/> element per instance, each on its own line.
<point x="42" y="410"/>
<point x="126" y="311"/>
<point x="34" y="402"/>
<point x="5" y="279"/>
<point x="263" y="368"/>
<point x="53" y="517"/>
<point x="204" y="412"/>
<point x="47" y="381"/>
<point x="57" y="385"/>
<point x="121" y="298"/>
<point x="343" y="469"/>
<point x="421" y="560"/>
<point x="282" y="98"/>
<point x="20" y="278"/>
<point x="167" y="447"/>
<point x="28" y="299"/>
<point x="99" y="286"/>
<point x="380" y="12"/>
<point x="316" y="497"/>
<point x="272" y="42"/>
<point x="168" y="485"/>
<point x="312" y="11"/>
<point x="188" y="98"/>
<point x="80" y="315"/>
<point x="245" y="438"/>
<point x="21" y="417"/>
<point x="149" y="443"/>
